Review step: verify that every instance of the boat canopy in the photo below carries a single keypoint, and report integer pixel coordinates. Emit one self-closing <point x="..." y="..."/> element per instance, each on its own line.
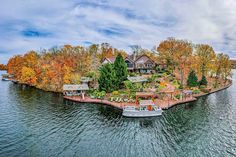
<point x="146" y="103"/>
<point x="79" y="87"/>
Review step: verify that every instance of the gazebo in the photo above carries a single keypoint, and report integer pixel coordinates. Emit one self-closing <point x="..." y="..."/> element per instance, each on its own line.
<point x="187" y="93"/>
<point x="145" y="95"/>
<point x="75" y="90"/>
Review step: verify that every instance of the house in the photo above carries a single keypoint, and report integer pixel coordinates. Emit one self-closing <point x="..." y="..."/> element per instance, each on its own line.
<point x="108" y="60"/>
<point x="233" y="63"/>
<point x="130" y="64"/>
<point x="144" y="64"/>
<point x="141" y="64"/>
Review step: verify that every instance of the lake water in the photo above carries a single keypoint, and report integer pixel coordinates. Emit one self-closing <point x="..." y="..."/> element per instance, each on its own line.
<point x="37" y="123"/>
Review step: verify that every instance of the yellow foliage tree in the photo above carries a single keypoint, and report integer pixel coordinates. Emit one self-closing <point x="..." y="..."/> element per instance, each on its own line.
<point x="203" y="58"/>
<point x="28" y="76"/>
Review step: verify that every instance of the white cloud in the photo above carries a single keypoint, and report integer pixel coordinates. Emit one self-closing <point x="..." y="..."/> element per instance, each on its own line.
<point x="120" y="23"/>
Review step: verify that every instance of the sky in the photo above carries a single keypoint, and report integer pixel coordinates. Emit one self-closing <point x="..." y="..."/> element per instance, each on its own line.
<point x="34" y="25"/>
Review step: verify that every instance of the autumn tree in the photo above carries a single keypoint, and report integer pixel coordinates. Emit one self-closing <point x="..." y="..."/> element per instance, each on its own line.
<point x="203" y="58"/>
<point x="136" y="49"/>
<point x="177" y="54"/>
<point x="31" y="59"/>
<point x="106" y="51"/>
<point x="14" y="66"/>
<point x="93" y="50"/>
<point x="222" y="68"/>
<point x="3" y="67"/>
<point x="28" y="76"/>
<point x="166" y="50"/>
<point x="226" y="67"/>
<point x="121" y="52"/>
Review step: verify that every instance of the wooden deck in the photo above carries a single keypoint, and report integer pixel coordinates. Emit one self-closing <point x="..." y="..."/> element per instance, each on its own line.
<point x="99" y="101"/>
<point x="163" y="104"/>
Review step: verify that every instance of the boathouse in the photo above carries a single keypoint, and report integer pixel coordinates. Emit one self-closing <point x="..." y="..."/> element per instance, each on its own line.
<point x="75" y="90"/>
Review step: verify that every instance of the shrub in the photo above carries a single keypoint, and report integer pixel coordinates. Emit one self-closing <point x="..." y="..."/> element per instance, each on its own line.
<point x="178" y="96"/>
<point x="192" y="79"/>
<point x="203" y="81"/>
<point x="205" y="90"/>
<point x="100" y="95"/>
<point x="171" y="78"/>
<point x="194" y="88"/>
<point x="132" y="74"/>
<point x="196" y="91"/>
<point x="115" y="93"/>
<point x="132" y="96"/>
<point x="129" y="85"/>
<point x="176" y="84"/>
<point x="202" y="86"/>
<point x="168" y="72"/>
<point x="164" y="75"/>
<point x="159" y="75"/>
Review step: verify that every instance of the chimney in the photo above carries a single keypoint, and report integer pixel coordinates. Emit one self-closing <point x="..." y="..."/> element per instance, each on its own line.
<point x="134" y="56"/>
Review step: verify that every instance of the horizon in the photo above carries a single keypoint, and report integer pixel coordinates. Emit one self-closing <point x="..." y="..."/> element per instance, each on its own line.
<point x="31" y="25"/>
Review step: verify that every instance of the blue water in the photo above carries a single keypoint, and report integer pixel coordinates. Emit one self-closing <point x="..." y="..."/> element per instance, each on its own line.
<point x="37" y="123"/>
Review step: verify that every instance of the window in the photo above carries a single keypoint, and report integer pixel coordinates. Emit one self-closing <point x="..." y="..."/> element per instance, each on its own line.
<point x="149" y="65"/>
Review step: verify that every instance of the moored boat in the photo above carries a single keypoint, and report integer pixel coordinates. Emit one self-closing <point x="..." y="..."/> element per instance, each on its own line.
<point x="146" y="108"/>
<point x="6" y="79"/>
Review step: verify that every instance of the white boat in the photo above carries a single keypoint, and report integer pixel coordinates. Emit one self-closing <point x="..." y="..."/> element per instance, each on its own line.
<point x="146" y="108"/>
<point x="6" y="79"/>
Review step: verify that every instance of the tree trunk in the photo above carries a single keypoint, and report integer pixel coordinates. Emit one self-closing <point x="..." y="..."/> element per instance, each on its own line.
<point x="182" y="76"/>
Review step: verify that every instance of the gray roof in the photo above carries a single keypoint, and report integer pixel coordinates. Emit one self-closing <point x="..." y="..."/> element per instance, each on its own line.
<point x="136" y="79"/>
<point x="70" y="87"/>
<point x="146" y="103"/>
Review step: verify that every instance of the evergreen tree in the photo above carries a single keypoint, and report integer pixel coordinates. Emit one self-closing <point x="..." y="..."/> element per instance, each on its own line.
<point x="107" y="78"/>
<point x="192" y="79"/>
<point x="120" y="68"/>
<point x="203" y="81"/>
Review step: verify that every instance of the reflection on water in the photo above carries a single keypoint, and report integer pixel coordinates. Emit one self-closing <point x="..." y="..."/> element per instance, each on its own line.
<point x="37" y="123"/>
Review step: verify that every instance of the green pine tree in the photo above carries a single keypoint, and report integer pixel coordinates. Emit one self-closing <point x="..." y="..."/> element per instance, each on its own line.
<point x="192" y="79"/>
<point x="107" y="78"/>
<point x="121" y="71"/>
<point x="203" y="81"/>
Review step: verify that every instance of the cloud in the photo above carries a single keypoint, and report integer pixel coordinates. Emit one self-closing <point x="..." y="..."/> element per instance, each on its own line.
<point x="27" y="25"/>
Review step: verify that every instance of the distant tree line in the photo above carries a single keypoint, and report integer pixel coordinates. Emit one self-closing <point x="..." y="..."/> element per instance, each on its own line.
<point x="50" y="69"/>
<point x="3" y="67"/>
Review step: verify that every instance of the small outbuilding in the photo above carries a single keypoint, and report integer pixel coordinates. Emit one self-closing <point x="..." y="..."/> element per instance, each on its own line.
<point x="75" y="90"/>
<point x="137" y="79"/>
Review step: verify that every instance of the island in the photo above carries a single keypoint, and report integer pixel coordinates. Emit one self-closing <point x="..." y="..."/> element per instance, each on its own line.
<point x="174" y="72"/>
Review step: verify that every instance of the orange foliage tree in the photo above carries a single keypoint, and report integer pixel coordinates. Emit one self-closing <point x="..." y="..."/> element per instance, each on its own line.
<point x="3" y="67"/>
